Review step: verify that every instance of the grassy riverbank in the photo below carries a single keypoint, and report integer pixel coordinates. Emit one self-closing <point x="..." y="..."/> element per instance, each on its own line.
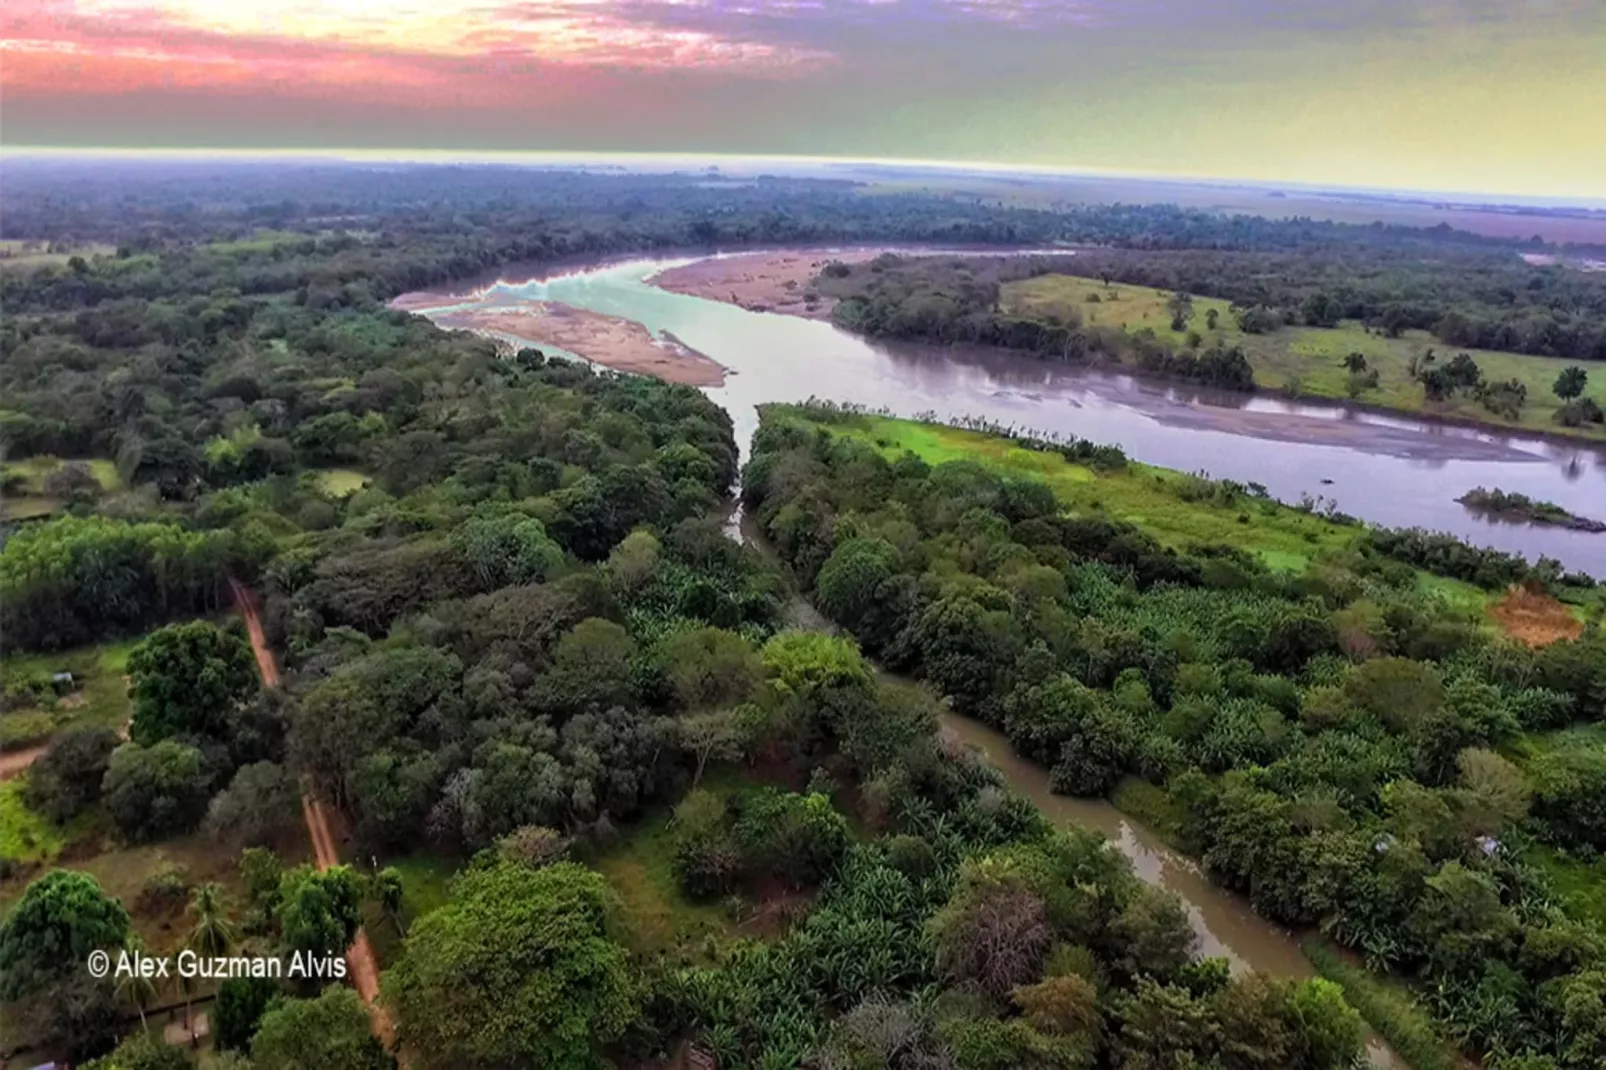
<point x="1179" y="509"/>
<point x="1388" y="1006"/>
<point x="1308" y="361"/>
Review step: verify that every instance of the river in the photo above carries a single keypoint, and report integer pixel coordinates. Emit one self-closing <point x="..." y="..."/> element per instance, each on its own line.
<point x="1391" y="470"/>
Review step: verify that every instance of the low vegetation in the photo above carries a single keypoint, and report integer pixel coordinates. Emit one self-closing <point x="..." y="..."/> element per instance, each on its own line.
<point x="1509" y="505"/>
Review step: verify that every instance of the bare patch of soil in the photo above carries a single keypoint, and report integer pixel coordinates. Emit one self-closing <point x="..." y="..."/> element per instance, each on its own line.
<point x="1537" y="619"/>
<point x="762" y="282"/>
<point x="621" y="344"/>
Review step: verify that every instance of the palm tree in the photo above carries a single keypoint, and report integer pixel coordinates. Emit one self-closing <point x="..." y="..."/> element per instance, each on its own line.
<point x="132" y="986"/>
<point x="214" y="934"/>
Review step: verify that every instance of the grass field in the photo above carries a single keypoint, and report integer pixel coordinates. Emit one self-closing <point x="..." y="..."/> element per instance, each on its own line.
<point x="1306" y="361"/>
<point x="21" y="255"/>
<point x="341" y="482"/>
<point x="33" y="501"/>
<point x="101" y="698"/>
<point x="426" y="880"/>
<point x="1149" y="497"/>
<point x="659" y="917"/>
<point x="1158" y="500"/>
<point x="25" y="837"/>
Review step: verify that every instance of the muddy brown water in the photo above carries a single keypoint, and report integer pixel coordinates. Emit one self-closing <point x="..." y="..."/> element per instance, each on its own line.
<point x="1392" y="470"/>
<point x="1222" y="920"/>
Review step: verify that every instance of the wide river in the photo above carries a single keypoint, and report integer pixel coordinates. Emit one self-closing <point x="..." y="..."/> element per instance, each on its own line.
<point x="1395" y="471"/>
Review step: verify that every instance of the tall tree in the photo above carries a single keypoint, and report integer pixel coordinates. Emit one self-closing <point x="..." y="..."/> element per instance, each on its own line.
<point x="516" y="970"/>
<point x="332" y="1032"/>
<point x="1571" y="383"/>
<point x="186" y="679"/>
<point x="48" y="935"/>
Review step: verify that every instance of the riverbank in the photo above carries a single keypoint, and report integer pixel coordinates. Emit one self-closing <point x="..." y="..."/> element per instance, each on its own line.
<point x="1224" y="922"/>
<point x="611" y="341"/>
<point x="1391" y="470"/>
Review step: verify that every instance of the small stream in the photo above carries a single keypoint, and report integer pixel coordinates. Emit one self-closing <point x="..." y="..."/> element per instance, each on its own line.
<point x="1226" y="925"/>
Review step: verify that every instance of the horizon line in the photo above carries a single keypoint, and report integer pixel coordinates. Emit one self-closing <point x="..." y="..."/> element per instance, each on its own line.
<point x="1484" y="198"/>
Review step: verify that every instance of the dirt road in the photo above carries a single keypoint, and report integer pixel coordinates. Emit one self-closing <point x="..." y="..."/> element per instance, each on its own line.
<point x="16" y="762"/>
<point x="360" y="956"/>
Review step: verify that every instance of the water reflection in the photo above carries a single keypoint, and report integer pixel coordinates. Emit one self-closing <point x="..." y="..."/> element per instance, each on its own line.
<point x="1390" y="469"/>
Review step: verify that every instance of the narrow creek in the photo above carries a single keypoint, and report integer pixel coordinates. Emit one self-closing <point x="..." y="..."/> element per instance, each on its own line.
<point x="1226" y="925"/>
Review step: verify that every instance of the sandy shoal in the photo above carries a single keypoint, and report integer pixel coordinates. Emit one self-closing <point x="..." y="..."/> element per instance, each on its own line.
<point x="775" y="281"/>
<point x="621" y="344"/>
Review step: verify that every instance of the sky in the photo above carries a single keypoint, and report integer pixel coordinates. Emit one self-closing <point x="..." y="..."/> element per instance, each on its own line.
<point x="1486" y="96"/>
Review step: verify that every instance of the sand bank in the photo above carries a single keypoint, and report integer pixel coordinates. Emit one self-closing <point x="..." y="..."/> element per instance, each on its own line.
<point x="621" y="344"/>
<point x="774" y="281"/>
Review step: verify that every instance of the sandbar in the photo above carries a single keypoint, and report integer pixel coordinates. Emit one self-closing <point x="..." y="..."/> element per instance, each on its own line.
<point x="621" y="344"/>
<point x="774" y="281"/>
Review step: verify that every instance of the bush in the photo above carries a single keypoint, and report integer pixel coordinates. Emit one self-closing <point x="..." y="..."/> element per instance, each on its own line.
<point x="67" y="778"/>
<point x="158" y="791"/>
<point x="799" y="838"/>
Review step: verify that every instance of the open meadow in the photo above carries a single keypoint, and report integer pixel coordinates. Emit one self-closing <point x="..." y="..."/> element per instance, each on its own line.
<point x="1308" y="361"/>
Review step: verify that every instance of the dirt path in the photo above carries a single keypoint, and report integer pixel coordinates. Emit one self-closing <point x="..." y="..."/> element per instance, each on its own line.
<point x="360" y="956"/>
<point x="17" y="762"/>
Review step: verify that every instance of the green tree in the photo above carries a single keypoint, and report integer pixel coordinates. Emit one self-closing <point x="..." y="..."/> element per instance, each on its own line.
<point x="132" y="987"/>
<point x="260" y="800"/>
<point x="332" y="1032"/>
<point x="1355" y="363"/>
<point x="61" y="918"/>
<point x="711" y="667"/>
<point x="156" y="791"/>
<point x="847" y="584"/>
<point x="142" y="1051"/>
<point x="213" y="935"/>
<point x="717" y="734"/>
<point x="67" y="778"/>
<point x="240" y="1004"/>
<point x="591" y="666"/>
<point x="185" y="680"/>
<point x="1571" y="383"/>
<point x="391" y="892"/>
<point x="319" y="913"/>
<point x="993" y="932"/>
<point x="516" y="969"/>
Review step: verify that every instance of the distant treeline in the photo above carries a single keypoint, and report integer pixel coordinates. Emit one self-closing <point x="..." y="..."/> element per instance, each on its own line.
<point x="1468" y="296"/>
<point x="956" y="299"/>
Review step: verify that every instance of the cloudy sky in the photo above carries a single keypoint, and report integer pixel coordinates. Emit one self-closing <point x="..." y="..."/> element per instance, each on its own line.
<point x="1469" y="95"/>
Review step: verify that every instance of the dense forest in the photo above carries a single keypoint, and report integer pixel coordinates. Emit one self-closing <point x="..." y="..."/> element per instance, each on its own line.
<point x="515" y="634"/>
<point x="1336" y="744"/>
